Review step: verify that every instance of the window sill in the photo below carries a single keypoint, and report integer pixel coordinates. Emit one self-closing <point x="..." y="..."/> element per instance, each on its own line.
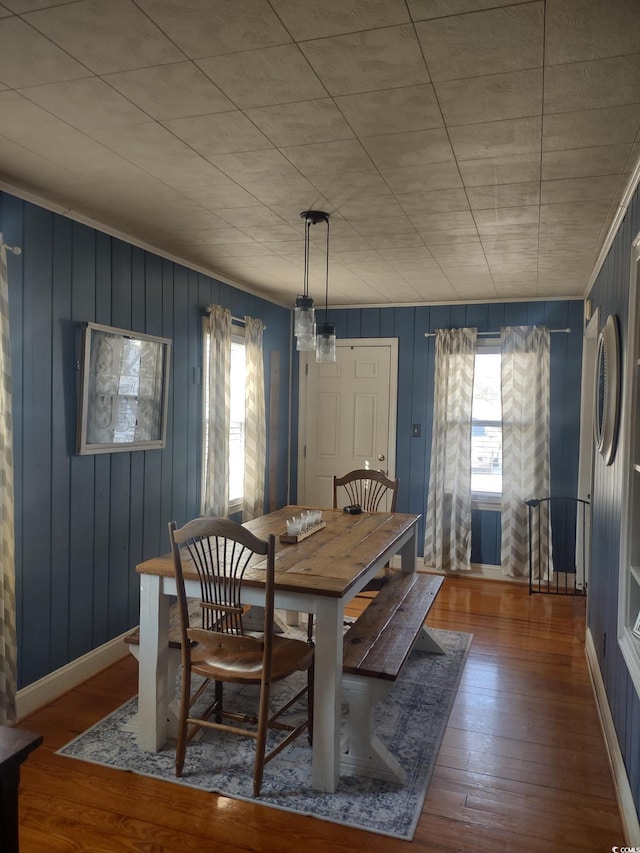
<point x="486" y="503"/>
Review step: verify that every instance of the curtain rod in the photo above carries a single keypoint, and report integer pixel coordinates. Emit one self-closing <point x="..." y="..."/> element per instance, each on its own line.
<point x="15" y="249"/>
<point x="236" y="319"/>
<point x="497" y="334"/>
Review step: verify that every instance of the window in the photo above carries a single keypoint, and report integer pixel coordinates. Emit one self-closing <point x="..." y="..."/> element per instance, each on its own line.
<point x="237" y="415"/>
<point x="486" y="425"/>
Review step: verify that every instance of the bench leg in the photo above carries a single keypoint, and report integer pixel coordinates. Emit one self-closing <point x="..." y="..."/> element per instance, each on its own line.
<point x="362" y="752"/>
<point x="426" y="643"/>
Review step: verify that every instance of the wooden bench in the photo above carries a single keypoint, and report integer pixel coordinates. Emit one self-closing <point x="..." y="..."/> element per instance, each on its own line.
<point x="376" y="648"/>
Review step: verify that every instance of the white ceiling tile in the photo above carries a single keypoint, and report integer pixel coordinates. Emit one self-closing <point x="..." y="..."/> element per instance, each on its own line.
<point x="520" y="263"/>
<point x="250" y="217"/>
<point x="592" y="85"/>
<point x="404" y="241"/>
<point x="436" y="201"/>
<point x="499" y="217"/>
<point x="390" y="225"/>
<point x="345" y="186"/>
<point x="498" y="96"/>
<point x="580" y="190"/>
<point x="27" y="119"/>
<point x="587" y="128"/>
<point x="470" y="254"/>
<point x="73" y="150"/>
<point x="407" y="255"/>
<point x="20" y="6"/>
<point x="366" y="61"/>
<point x="434" y="176"/>
<point x="86" y="104"/>
<point x="496" y="138"/>
<point x="296" y="194"/>
<point x="273" y="75"/>
<point x="585" y="162"/>
<point x="332" y="17"/>
<point x="578" y="30"/>
<point x="443" y="221"/>
<point x="244" y="164"/>
<point x="391" y="110"/>
<point x="509" y="238"/>
<point x="520" y="168"/>
<point x="518" y="196"/>
<point x="211" y="27"/>
<point x="297" y="124"/>
<point x="105" y="35"/>
<point x="26" y="169"/>
<point x="170" y="91"/>
<point x="416" y="148"/>
<point x="4" y="12"/>
<point x="220" y="133"/>
<point x="326" y="158"/>
<point x="367" y="206"/>
<point x="486" y="42"/>
<point x="27" y="58"/>
<point x="426" y="9"/>
<point x="448" y="236"/>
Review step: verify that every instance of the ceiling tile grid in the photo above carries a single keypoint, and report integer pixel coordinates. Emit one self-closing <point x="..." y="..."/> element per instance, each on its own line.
<point x="464" y="149"/>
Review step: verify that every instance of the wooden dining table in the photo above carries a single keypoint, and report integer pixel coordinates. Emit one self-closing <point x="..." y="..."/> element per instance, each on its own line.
<point x="318" y="575"/>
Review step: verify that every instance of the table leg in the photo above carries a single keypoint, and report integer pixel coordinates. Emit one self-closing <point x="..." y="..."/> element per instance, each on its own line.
<point x="327" y="706"/>
<point x="409" y="552"/>
<point x="152" y="672"/>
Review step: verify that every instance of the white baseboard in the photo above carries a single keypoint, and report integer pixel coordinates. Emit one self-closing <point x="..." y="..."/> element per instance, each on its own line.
<point x="621" y="781"/>
<point x="478" y="570"/>
<point x="46" y="689"/>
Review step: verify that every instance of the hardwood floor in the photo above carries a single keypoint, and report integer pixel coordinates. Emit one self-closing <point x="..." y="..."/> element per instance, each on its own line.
<point x="522" y="766"/>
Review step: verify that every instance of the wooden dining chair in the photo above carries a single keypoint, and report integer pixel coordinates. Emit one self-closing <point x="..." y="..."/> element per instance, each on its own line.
<point x="219" y="552"/>
<point x="367" y="488"/>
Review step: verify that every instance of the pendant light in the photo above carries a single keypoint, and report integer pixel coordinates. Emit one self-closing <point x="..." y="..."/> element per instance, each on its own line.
<point x="326" y="332"/>
<point x="304" y="321"/>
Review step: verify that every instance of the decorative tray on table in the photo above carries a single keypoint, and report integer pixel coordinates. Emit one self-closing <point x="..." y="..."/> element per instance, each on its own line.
<point x="298" y="537"/>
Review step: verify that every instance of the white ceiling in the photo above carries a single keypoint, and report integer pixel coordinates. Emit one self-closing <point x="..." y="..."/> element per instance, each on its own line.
<point x="465" y="149"/>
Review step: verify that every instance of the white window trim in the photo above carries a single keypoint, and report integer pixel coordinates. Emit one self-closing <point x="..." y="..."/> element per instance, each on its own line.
<point x="488" y="501"/>
<point x="237" y="336"/>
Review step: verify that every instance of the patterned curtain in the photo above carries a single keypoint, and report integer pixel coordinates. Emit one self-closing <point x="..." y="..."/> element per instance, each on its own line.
<point x="8" y="642"/>
<point x="255" y="437"/>
<point x="525" y="443"/>
<point x="216" y="473"/>
<point x="447" y="543"/>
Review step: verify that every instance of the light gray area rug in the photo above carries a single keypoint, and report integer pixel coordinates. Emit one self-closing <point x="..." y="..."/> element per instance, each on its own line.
<point x="411" y="722"/>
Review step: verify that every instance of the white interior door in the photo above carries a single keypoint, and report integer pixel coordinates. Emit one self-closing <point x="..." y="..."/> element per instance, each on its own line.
<point x="347" y="415"/>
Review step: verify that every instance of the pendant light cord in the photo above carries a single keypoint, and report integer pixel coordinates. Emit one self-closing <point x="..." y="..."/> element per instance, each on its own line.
<point x="326" y="279"/>
<point x="305" y="283"/>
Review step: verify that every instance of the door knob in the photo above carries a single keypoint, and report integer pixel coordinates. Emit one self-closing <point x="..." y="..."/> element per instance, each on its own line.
<point x="380" y="457"/>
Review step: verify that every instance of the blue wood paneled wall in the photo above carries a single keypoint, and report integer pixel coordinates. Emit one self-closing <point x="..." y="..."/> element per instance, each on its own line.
<point x="611" y="293"/>
<point x="415" y="392"/>
<point x="83" y="522"/>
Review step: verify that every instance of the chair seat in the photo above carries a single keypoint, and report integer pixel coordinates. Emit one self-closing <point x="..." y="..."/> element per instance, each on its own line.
<point x="242" y="662"/>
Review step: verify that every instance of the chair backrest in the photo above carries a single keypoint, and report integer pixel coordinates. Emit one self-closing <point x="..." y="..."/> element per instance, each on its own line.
<point x="367" y="488"/>
<point x="219" y="551"/>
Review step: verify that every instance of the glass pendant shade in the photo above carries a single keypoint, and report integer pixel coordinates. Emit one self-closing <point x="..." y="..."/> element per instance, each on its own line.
<point x="307" y="342"/>
<point x="326" y="343"/>
<point x="304" y="317"/>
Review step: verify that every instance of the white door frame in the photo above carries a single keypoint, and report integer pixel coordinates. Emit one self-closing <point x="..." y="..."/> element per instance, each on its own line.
<point x="585" y="464"/>
<point x="392" y="343"/>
